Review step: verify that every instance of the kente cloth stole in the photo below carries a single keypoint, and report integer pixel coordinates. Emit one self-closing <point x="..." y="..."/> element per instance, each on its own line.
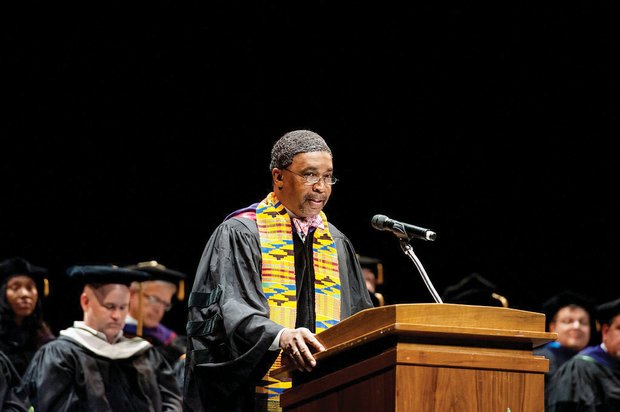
<point x="278" y="280"/>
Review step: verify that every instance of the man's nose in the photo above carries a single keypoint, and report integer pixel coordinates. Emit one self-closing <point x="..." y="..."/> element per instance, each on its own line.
<point x="117" y="313"/>
<point x="320" y="185"/>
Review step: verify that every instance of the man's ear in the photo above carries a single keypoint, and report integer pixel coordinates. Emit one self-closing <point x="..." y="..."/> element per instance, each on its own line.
<point x="84" y="299"/>
<point x="277" y="175"/>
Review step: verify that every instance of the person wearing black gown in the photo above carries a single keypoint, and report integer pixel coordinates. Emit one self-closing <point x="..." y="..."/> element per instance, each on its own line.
<point x="10" y="399"/>
<point x="270" y="277"/>
<point x="570" y="315"/>
<point x="590" y="380"/>
<point x="22" y="327"/>
<point x="92" y="366"/>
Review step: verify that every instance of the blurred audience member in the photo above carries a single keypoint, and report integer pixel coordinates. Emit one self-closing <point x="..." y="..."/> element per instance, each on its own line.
<point x="92" y="366"/>
<point x="590" y="380"/>
<point x="10" y="399"/>
<point x="474" y="290"/>
<point x="570" y="316"/>
<point x="149" y="303"/>
<point x="372" y="268"/>
<point x="22" y="328"/>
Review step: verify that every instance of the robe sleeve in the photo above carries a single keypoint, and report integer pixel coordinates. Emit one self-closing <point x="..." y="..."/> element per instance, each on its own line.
<point x="11" y="399"/>
<point x="229" y="330"/>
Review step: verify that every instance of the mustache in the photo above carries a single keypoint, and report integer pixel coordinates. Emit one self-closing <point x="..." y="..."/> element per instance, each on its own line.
<point x="316" y="198"/>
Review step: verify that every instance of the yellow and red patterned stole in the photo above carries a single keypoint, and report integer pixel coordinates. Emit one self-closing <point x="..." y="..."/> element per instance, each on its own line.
<point x="278" y="279"/>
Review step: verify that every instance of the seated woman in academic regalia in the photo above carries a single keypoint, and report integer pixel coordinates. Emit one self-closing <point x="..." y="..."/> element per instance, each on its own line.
<point x="22" y="328"/>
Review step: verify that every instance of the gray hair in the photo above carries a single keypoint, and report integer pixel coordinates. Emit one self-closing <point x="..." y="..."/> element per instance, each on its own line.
<point x="295" y="142"/>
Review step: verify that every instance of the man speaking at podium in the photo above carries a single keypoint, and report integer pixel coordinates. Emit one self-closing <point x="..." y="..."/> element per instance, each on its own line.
<point x="271" y="276"/>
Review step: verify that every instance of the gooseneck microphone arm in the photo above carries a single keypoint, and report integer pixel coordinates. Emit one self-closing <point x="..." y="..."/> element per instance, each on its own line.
<point x="405" y="233"/>
<point x="406" y="247"/>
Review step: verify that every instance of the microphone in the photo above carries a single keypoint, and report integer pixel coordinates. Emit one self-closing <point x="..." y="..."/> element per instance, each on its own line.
<point x="402" y="230"/>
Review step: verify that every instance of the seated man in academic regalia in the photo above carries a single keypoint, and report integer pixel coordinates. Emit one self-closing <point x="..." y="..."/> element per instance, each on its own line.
<point x="568" y="314"/>
<point x="92" y="366"/>
<point x="148" y="304"/>
<point x="590" y="380"/>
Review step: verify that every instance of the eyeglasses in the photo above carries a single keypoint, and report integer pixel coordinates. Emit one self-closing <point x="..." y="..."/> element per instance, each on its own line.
<point x="154" y="300"/>
<point x="312" y="179"/>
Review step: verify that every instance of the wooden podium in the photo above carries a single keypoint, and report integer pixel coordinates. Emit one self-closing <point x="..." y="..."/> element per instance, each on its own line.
<point x="435" y="357"/>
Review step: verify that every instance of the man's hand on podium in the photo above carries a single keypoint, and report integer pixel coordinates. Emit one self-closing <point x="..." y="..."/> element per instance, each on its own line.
<point x="298" y="345"/>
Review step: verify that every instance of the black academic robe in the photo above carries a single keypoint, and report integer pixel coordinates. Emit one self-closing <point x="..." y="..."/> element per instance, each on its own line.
<point x="65" y="376"/>
<point x="557" y="355"/>
<point x="588" y="382"/>
<point x="10" y="399"/>
<point x="164" y="339"/>
<point x="229" y="330"/>
<point x="19" y="343"/>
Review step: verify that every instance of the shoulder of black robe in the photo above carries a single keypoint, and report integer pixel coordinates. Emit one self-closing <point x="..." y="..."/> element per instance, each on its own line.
<point x="229" y="330"/>
<point x="50" y="379"/>
<point x="64" y="376"/>
<point x="11" y="399"/>
<point x="583" y="384"/>
<point x="557" y="355"/>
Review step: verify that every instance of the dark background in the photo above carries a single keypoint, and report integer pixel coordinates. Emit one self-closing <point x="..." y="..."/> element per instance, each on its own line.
<point x="129" y="136"/>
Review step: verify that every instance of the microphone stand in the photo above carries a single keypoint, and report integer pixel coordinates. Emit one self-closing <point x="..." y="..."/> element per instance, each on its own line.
<point x="406" y="247"/>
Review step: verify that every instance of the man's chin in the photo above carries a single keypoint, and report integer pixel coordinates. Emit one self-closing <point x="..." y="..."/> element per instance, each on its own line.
<point x="112" y="331"/>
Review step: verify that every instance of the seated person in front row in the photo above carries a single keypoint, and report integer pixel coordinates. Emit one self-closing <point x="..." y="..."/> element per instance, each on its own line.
<point x="92" y="366"/>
